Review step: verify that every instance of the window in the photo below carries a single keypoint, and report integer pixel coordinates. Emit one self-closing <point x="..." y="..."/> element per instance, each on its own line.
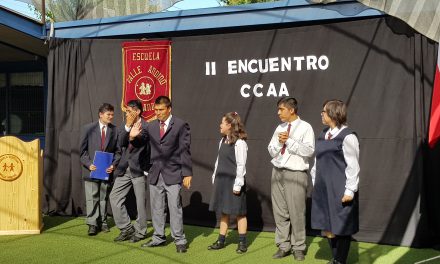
<point x="3" y="105"/>
<point x="22" y="103"/>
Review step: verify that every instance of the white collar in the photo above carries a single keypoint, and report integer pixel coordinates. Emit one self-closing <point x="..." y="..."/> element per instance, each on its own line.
<point x="167" y="122"/>
<point x="293" y="122"/>
<point x="335" y="131"/>
<point x="101" y="125"/>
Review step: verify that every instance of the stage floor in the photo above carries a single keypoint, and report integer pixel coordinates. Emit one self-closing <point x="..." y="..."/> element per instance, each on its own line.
<point x="65" y="240"/>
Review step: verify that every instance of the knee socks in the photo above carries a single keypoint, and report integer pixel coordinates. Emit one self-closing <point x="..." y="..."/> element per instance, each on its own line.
<point x="242" y="238"/>
<point x="342" y="247"/>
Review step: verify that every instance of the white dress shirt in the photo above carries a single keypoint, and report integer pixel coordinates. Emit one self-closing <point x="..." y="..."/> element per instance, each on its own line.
<point x="101" y="125"/>
<point x="241" y="148"/>
<point x="350" y="149"/>
<point x="300" y="146"/>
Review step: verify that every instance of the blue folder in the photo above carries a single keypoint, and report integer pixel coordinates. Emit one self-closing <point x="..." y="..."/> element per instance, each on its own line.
<point x="102" y="161"/>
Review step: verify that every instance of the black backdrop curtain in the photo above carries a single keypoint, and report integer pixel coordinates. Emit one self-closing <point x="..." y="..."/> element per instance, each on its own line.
<point x="380" y="67"/>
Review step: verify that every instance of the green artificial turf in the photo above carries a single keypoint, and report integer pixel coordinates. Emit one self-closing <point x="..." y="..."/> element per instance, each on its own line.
<point x="64" y="240"/>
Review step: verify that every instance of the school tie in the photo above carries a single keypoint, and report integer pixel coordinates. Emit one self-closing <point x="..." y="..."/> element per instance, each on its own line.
<point x="162" y="128"/>
<point x="329" y="136"/>
<point x="284" y="146"/>
<point x="102" y="137"/>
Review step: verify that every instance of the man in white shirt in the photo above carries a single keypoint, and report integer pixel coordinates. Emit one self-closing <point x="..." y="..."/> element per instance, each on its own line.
<point x="291" y="146"/>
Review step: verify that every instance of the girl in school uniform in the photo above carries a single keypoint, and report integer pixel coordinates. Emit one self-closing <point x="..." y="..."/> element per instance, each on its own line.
<point x="229" y="194"/>
<point x="335" y="176"/>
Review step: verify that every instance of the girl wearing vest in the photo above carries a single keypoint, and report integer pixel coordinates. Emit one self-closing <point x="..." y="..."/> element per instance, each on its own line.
<point x="229" y="194"/>
<point x="335" y="177"/>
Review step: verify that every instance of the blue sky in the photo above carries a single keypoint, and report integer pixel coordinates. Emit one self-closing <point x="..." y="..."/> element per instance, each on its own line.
<point x="23" y="8"/>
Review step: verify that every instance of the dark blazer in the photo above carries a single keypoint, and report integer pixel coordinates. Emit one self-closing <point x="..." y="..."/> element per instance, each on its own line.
<point x="91" y="142"/>
<point x="136" y="157"/>
<point x="170" y="155"/>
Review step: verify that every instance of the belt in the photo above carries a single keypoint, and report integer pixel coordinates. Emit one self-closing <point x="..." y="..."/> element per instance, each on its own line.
<point x="284" y="169"/>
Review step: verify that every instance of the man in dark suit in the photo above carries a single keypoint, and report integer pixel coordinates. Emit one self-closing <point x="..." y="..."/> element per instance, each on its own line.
<point x="98" y="136"/>
<point x="172" y="166"/>
<point x="130" y="174"/>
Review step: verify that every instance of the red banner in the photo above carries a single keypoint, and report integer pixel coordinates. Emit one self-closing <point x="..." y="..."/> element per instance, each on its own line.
<point x="146" y="73"/>
<point x="434" y="121"/>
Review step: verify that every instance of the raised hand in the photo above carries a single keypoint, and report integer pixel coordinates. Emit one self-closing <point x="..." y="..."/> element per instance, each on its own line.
<point x="130" y="118"/>
<point x="135" y="130"/>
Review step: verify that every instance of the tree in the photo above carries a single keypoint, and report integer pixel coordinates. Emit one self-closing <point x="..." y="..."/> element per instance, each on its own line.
<point x="68" y="10"/>
<point x="243" y="2"/>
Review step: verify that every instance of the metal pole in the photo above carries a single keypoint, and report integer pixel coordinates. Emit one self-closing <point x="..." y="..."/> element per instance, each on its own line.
<point x="43" y="11"/>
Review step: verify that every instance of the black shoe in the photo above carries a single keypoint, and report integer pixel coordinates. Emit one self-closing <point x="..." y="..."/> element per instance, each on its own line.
<point x="298" y="255"/>
<point x="93" y="230"/>
<point x="105" y="228"/>
<point x="216" y="245"/>
<point x="152" y="244"/>
<point x="281" y="254"/>
<point x="241" y="248"/>
<point x="125" y="235"/>
<point x="181" y="248"/>
<point x="135" y="239"/>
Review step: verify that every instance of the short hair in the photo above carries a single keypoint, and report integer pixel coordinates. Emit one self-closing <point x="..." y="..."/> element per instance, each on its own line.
<point x="289" y="102"/>
<point x="336" y="111"/>
<point x="106" y="107"/>
<point x="163" y="100"/>
<point x="136" y="104"/>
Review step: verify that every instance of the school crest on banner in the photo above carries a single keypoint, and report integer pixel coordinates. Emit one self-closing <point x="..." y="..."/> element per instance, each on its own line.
<point x="146" y="73"/>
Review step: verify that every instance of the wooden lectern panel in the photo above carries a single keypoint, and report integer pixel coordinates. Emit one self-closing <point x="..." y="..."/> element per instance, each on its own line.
<point x="21" y="171"/>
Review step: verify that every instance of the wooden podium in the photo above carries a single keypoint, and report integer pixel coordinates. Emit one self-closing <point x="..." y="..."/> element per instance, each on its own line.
<point x="21" y="175"/>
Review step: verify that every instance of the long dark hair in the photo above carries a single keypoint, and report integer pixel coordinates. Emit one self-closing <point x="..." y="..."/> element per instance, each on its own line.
<point x="237" y="127"/>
